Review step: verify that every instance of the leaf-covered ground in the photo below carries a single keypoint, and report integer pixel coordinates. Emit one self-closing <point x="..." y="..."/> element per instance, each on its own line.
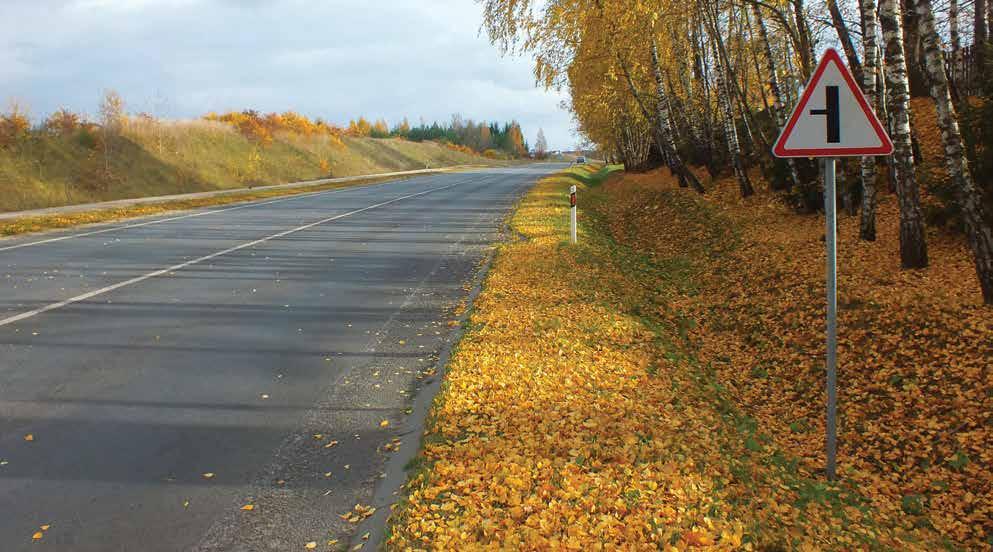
<point x="915" y="349"/>
<point x="659" y="387"/>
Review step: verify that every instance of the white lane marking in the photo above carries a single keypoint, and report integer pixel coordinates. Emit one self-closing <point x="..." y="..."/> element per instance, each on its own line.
<point x="191" y="215"/>
<point x="180" y="266"/>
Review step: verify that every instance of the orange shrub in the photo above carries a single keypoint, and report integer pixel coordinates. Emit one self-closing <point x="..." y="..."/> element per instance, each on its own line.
<point x="359" y="128"/>
<point x="460" y="148"/>
<point x="63" y="122"/>
<point x="298" y="124"/>
<point x="262" y="128"/>
<point x="13" y="125"/>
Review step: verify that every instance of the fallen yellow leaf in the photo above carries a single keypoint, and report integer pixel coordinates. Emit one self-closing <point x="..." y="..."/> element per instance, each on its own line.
<point x="310" y="545"/>
<point x="384" y="423"/>
<point x="248" y="507"/>
<point x="38" y="535"/>
<point x="696" y="538"/>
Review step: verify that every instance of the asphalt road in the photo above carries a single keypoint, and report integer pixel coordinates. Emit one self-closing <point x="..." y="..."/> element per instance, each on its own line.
<point x="239" y="342"/>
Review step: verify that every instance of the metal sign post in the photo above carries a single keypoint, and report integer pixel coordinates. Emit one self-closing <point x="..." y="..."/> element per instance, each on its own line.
<point x="831" y="239"/>
<point x="832" y="119"/>
<point x="572" y="214"/>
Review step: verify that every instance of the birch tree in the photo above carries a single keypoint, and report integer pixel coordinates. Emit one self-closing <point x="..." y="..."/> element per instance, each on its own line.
<point x="980" y="30"/>
<point x="913" y="248"/>
<point x="870" y="28"/>
<point x="731" y="132"/>
<point x="541" y="145"/>
<point x="665" y="127"/>
<point x="955" y="38"/>
<point x="778" y="106"/>
<point x="689" y="81"/>
<point x="970" y="200"/>
<point x="847" y="45"/>
<point x="661" y="131"/>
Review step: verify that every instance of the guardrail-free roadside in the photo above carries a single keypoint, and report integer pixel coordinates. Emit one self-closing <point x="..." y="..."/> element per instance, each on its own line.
<point x="118" y="203"/>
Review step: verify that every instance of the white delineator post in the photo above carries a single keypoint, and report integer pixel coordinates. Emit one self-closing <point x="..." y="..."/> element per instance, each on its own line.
<point x="572" y="214"/>
<point x="831" y="240"/>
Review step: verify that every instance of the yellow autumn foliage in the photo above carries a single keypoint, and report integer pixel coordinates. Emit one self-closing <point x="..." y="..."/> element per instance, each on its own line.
<point x="577" y="415"/>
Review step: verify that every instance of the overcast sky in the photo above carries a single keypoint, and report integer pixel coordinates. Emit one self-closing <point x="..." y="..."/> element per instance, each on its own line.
<point x="332" y="58"/>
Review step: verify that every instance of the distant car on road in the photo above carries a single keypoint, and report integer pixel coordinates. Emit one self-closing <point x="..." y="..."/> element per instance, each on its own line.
<point x="580" y="160"/>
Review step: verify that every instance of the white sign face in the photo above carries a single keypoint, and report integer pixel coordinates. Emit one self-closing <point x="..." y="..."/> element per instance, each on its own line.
<point x="833" y="118"/>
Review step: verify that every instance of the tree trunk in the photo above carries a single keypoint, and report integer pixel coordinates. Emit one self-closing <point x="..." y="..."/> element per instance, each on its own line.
<point x="956" y="40"/>
<point x="838" y="22"/>
<point x="980" y="27"/>
<point x="778" y="107"/>
<point x="912" y="51"/>
<point x="665" y="127"/>
<point x="980" y="35"/>
<point x="756" y="136"/>
<point x="757" y="65"/>
<point x="659" y="139"/>
<point x="883" y="104"/>
<point x="730" y="132"/>
<point x="806" y="43"/>
<point x="730" y="83"/>
<point x="970" y="199"/>
<point x="870" y="24"/>
<point x="913" y="248"/>
<point x="702" y="74"/>
<point x="847" y="188"/>
<point x="662" y="129"/>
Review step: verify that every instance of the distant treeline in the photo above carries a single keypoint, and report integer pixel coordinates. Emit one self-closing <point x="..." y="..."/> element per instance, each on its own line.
<point x="506" y="139"/>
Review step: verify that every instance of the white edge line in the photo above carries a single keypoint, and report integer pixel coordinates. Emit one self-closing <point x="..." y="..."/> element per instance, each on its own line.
<point x="180" y="266"/>
<point x="197" y="214"/>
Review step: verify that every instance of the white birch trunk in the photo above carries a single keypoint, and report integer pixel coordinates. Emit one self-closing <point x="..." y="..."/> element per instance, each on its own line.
<point x="730" y="132"/>
<point x="867" y="224"/>
<point x="913" y="248"/>
<point x="778" y="107"/>
<point x="953" y="31"/>
<point x="970" y="199"/>
<point x="665" y="127"/>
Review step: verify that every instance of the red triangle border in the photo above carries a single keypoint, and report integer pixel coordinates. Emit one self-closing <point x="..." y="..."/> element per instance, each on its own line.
<point x="832" y="55"/>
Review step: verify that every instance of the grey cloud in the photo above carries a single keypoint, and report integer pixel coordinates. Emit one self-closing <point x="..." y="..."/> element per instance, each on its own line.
<point x="337" y="59"/>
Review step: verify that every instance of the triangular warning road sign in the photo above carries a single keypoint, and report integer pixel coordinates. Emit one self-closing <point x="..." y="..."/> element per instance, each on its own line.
<point x="833" y="118"/>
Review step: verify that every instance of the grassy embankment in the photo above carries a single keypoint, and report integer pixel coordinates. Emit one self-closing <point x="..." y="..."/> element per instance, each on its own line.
<point x="151" y="158"/>
<point x="661" y="384"/>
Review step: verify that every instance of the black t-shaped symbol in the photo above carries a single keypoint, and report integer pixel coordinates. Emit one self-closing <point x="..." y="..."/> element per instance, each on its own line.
<point x="833" y="112"/>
